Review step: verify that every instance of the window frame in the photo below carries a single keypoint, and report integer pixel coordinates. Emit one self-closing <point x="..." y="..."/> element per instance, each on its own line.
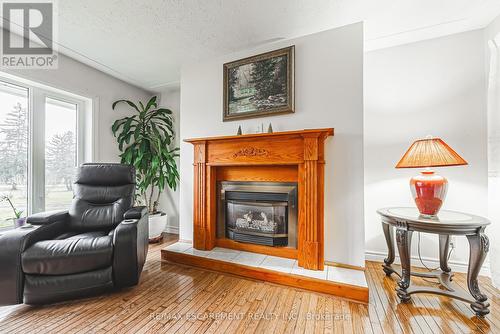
<point x="85" y="134"/>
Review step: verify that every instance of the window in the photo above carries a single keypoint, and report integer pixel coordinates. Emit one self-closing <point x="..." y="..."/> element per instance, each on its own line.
<point x="13" y="150"/>
<point x="44" y="134"/>
<point x="60" y="152"/>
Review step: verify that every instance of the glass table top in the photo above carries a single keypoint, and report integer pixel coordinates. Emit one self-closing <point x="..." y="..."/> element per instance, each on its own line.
<point x="443" y="217"/>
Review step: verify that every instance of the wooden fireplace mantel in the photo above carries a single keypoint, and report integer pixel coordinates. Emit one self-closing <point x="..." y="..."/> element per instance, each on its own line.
<point x="297" y="156"/>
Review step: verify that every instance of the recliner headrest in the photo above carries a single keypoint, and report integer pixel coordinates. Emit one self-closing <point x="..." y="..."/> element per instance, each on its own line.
<point x="105" y="174"/>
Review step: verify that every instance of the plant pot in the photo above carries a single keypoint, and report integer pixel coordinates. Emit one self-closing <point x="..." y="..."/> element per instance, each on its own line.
<point x="157" y="225"/>
<point x="18" y="222"/>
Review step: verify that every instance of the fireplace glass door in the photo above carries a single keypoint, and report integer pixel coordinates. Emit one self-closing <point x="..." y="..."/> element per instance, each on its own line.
<point x="258" y="221"/>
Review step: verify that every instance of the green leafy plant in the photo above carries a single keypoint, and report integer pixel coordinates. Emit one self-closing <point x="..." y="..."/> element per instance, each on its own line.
<point x="145" y="140"/>
<point x="17" y="213"/>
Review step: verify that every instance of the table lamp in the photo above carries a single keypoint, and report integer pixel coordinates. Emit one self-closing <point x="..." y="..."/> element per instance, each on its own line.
<point x="429" y="189"/>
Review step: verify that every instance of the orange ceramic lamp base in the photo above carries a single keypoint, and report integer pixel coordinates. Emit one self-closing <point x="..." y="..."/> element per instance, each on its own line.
<point x="429" y="191"/>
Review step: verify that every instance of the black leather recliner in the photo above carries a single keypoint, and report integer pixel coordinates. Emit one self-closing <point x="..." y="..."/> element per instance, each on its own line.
<point x="99" y="244"/>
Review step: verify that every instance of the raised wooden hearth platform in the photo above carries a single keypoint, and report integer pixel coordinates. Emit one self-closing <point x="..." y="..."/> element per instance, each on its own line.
<point x="341" y="282"/>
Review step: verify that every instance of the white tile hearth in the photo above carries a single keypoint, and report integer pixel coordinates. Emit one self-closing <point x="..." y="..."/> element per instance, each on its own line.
<point x="179" y="247"/>
<point x="347" y="276"/>
<point x="223" y="254"/>
<point x="278" y="264"/>
<point x="288" y="266"/>
<point x="196" y="252"/>
<point x="249" y="259"/>
<point x="309" y="273"/>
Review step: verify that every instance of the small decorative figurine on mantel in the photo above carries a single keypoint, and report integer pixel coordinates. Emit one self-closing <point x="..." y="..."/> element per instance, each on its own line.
<point x="239" y="131"/>
<point x="270" y="128"/>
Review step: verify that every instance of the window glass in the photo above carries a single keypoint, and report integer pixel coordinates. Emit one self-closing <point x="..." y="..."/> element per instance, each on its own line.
<point x="14" y="141"/>
<point x="60" y="152"/>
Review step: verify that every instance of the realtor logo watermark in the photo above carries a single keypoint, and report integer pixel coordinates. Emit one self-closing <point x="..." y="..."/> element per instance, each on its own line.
<point x="29" y="35"/>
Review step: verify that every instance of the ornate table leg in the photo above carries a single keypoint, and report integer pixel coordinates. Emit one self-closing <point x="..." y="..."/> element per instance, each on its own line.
<point x="403" y="239"/>
<point x="389" y="239"/>
<point x="444" y="246"/>
<point x="479" y="246"/>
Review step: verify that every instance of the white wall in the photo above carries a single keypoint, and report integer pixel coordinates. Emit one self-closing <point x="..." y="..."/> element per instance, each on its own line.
<point x="433" y="87"/>
<point x="329" y="93"/>
<point x="77" y="78"/>
<point x="169" y="200"/>
<point x="493" y="29"/>
<point x="492" y="43"/>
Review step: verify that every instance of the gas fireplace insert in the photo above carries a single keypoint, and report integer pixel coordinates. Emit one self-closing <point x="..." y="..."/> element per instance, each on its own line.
<point x="263" y="213"/>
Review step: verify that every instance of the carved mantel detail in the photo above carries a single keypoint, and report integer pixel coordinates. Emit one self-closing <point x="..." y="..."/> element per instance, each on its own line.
<point x="251" y="152"/>
<point x="303" y="149"/>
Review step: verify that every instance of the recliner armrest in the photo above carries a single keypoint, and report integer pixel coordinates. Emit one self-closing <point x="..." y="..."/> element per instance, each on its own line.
<point x="47" y="217"/>
<point x="130" y="241"/>
<point x="12" y="244"/>
<point x="136" y="212"/>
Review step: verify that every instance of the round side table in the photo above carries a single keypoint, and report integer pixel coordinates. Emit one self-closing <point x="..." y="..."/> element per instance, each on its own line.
<point x="447" y="223"/>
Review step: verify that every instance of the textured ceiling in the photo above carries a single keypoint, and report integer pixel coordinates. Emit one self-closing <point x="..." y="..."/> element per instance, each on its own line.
<point x="145" y="42"/>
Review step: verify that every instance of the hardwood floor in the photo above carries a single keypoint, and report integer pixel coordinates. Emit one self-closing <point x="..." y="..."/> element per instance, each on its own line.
<point x="177" y="299"/>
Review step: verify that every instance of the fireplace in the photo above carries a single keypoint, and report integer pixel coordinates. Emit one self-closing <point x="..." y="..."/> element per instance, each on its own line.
<point x="296" y="157"/>
<point x="263" y="213"/>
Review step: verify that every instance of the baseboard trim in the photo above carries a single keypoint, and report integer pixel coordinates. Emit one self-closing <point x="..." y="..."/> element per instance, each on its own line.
<point x="343" y="265"/>
<point x="172" y="229"/>
<point x="456" y="266"/>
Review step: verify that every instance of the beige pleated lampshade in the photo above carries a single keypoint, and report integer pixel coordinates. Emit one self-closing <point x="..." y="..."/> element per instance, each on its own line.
<point x="432" y="152"/>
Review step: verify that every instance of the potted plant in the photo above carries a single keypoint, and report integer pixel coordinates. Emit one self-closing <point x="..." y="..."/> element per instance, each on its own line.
<point x="145" y="140"/>
<point x="17" y="220"/>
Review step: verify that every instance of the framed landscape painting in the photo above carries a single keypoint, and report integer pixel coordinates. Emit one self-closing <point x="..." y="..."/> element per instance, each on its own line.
<point x="261" y="85"/>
